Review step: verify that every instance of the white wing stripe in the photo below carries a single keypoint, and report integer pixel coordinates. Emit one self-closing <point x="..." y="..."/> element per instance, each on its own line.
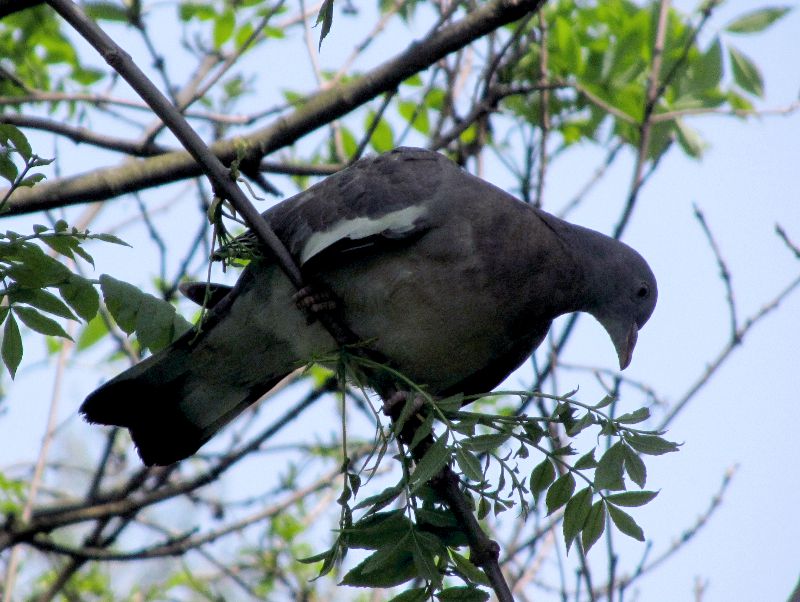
<point x="397" y="222"/>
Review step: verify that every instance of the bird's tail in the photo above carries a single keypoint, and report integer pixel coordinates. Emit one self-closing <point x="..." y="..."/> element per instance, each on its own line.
<point x="177" y="399"/>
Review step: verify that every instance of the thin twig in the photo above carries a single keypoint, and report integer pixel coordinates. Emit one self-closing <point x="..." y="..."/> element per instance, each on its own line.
<point x="732" y="344"/>
<point x="724" y="273"/>
<point x="544" y="126"/>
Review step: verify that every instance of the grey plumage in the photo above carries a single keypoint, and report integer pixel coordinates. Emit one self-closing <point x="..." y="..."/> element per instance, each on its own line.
<point x="451" y="279"/>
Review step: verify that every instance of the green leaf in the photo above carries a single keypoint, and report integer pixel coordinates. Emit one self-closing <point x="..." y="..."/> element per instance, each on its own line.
<point x="418" y="594"/>
<point x="12" y="346"/>
<point x="560" y="492"/>
<point x="223" y="28"/>
<point x="469" y="464"/>
<point x="468" y="570"/>
<point x="651" y="445"/>
<point x="32" y="180"/>
<point x="374" y="530"/>
<point x="386" y="553"/>
<point x="180" y="326"/>
<point x="109" y="238"/>
<point x="422" y="432"/>
<point x="608" y="474"/>
<point x="568" y="49"/>
<point x="154" y="323"/>
<point x="380" y="500"/>
<point x="541" y="477"/>
<point x="349" y="143"/>
<point x="707" y="71"/>
<point x="8" y="168"/>
<point x="94" y="331"/>
<point x="107" y="11"/>
<point x="594" y="526"/>
<point x="39" y="322"/>
<point x="382" y="139"/>
<point x="11" y="135"/>
<point x="746" y="73"/>
<point x="388" y="567"/>
<point x="485" y="443"/>
<point x="325" y="17"/>
<point x="437" y="518"/>
<point x="483" y="508"/>
<point x="81" y="296"/>
<point x="689" y="139"/>
<point x="758" y="20"/>
<point x="35" y="268"/>
<point x="431" y="463"/>
<point x="123" y="301"/>
<point x="631" y="498"/>
<point x="243" y="34"/>
<point x="636" y="417"/>
<point x="60" y="244"/>
<point x="424" y="549"/>
<point x="415" y="115"/>
<point x="409" y="406"/>
<point x="328" y="558"/>
<point x="450" y="404"/>
<point x="577" y="426"/>
<point x="190" y="10"/>
<point x="586" y="461"/>
<point x="625" y="523"/>
<point x="635" y="467"/>
<point x="462" y="593"/>
<point x="42" y="299"/>
<point x="575" y="514"/>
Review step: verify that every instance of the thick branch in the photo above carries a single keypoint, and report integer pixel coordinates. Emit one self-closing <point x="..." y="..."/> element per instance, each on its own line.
<point x="319" y="109"/>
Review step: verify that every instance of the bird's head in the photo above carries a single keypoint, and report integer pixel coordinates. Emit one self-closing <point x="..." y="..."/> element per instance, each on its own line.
<point x="627" y="297"/>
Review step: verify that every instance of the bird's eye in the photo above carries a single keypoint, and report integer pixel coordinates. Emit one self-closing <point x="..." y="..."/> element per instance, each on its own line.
<point x="643" y="292"/>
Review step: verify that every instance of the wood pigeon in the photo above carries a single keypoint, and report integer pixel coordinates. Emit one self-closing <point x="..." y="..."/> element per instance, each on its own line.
<point x="452" y="280"/>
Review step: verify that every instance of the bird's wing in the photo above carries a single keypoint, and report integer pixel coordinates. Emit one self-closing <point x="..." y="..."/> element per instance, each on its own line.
<point x="372" y="203"/>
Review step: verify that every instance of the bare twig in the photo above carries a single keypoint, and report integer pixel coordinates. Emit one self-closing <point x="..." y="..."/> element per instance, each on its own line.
<point x="646" y="126"/>
<point x="182" y="543"/>
<point x="727" y="350"/>
<point x="785" y="238"/>
<point x="544" y="126"/>
<point x="724" y="273"/>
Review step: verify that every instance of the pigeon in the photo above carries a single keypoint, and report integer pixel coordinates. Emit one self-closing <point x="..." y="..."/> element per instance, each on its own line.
<point x="451" y="280"/>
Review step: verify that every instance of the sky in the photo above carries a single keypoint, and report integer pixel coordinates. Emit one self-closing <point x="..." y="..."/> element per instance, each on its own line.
<point x="743" y="421"/>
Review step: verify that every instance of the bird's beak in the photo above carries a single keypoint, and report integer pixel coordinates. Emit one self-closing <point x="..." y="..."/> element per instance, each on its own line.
<point x="624" y="345"/>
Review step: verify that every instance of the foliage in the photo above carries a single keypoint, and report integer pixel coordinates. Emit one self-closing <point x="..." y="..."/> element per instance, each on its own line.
<point x="419" y="539"/>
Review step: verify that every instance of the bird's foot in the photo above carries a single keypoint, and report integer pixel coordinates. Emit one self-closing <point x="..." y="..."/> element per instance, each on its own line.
<point x="397" y="401"/>
<point x="313" y="301"/>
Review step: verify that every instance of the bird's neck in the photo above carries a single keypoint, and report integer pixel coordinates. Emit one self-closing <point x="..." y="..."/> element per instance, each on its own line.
<point x="574" y="287"/>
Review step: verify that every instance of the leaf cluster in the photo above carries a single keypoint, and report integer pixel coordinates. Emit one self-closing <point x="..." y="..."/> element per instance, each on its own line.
<point x="420" y="538"/>
<point x="30" y="276"/>
<point x="601" y="53"/>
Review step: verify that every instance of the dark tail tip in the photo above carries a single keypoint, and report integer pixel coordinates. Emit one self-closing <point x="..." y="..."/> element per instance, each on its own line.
<point x="161" y="432"/>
